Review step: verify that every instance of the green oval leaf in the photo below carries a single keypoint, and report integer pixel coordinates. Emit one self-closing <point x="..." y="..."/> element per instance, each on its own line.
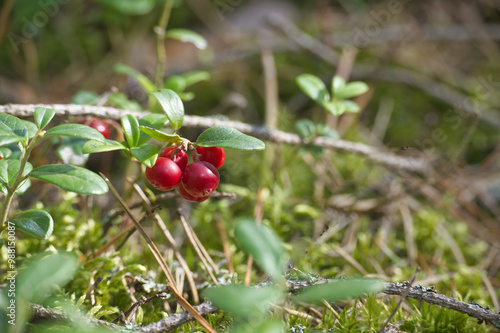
<point x="352" y="89"/>
<point x="143" y="81"/>
<point x="172" y="105"/>
<point x="43" y="274"/>
<point x="153" y="120"/>
<point x="9" y="169"/>
<point x="305" y="128"/>
<point x="146" y="154"/>
<point x="263" y="244"/>
<point x="32" y="128"/>
<point x="336" y="108"/>
<point x="160" y="136"/>
<point x="341" y="289"/>
<point x="71" y="178"/>
<point x="78" y="131"/>
<point x="350" y="106"/>
<point x="189" y="36"/>
<point x="228" y="137"/>
<point x="35" y="222"/>
<point x="131" y="130"/>
<point x="12" y="130"/>
<point x="243" y="301"/>
<point x="313" y="87"/>
<point x="43" y="116"/>
<point x="5" y="152"/>
<point x="93" y="146"/>
<point x="338" y="84"/>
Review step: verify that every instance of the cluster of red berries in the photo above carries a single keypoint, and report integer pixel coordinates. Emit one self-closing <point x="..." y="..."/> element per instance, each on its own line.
<point x="196" y="181"/>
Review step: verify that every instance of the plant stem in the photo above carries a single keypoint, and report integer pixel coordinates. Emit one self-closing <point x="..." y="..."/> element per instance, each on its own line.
<point x="11" y="190"/>
<point x="160" y="38"/>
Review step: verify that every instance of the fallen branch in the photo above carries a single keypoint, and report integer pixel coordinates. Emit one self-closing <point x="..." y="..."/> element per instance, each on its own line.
<point x="383" y="157"/>
<point x="423" y="294"/>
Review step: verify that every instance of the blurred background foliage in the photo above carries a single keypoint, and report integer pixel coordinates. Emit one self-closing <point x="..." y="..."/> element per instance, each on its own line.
<point x="429" y="65"/>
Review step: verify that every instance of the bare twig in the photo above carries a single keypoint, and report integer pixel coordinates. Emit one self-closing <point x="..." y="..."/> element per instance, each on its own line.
<point x="377" y="155"/>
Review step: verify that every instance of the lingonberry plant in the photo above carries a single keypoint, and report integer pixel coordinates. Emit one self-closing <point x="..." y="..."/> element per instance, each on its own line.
<point x="168" y="168"/>
<point x="17" y="140"/>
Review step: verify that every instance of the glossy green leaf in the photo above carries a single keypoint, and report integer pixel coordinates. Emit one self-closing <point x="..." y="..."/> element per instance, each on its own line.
<point x="263" y="244"/>
<point x="305" y="128"/>
<point x="93" y="146"/>
<point x="35" y="222"/>
<point x="43" y="116"/>
<point x="12" y="130"/>
<point x="32" y="128"/>
<point x="228" y="137"/>
<point x="131" y="130"/>
<point x="172" y="106"/>
<point x="143" y="81"/>
<point x="71" y="178"/>
<point x="189" y="36"/>
<point x="352" y="89"/>
<point x="43" y="274"/>
<point x="243" y="301"/>
<point x="146" y="154"/>
<point x="153" y="120"/>
<point x="78" y="131"/>
<point x="338" y="84"/>
<point x="341" y="289"/>
<point x="350" y="106"/>
<point x="161" y="136"/>
<point x="5" y="152"/>
<point x="9" y="169"/>
<point x="313" y="87"/>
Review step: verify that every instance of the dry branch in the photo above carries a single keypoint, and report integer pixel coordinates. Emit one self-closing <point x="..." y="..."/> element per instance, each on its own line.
<point x="418" y="292"/>
<point x="377" y="155"/>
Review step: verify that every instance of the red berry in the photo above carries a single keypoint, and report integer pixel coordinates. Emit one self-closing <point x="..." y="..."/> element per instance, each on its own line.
<point x="101" y="126"/>
<point x="181" y="158"/>
<point x="200" y="179"/>
<point x="189" y="197"/>
<point x="212" y="155"/>
<point x="165" y="175"/>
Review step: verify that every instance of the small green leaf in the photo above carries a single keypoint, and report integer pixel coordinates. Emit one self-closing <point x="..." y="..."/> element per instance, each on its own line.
<point x="305" y="128"/>
<point x="143" y="81"/>
<point x="337" y="108"/>
<point x="35" y="222"/>
<point x="341" y="289"/>
<point x="84" y="97"/>
<point x="325" y="131"/>
<point x="9" y="169"/>
<point x="5" y="152"/>
<point x="350" y="106"/>
<point x="176" y="83"/>
<point x="146" y="154"/>
<point x="313" y="87"/>
<point x="243" y="301"/>
<point x="12" y="130"/>
<point x="121" y="101"/>
<point x="32" y="128"/>
<point x="78" y="131"/>
<point x="43" y="116"/>
<point x="161" y="136"/>
<point x="71" y="178"/>
<point x="131" y="130"/>
<point x="93" y="146"/>
<point x="195" y="77"/>
<point x="153" y="120"/>
<point x="228" y="137"/>
<point x="172" y="105"/>
<point x="185" y="35"/>
<point x="43" y="274"/>
<point x="338" y="84"/>
<point x="352" y="89"/>
<point x="263" y="244"/>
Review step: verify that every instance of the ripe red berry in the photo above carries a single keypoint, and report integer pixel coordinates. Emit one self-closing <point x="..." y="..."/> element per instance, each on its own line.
<point x="200" y="179"/>
<point x="212" y="155"/>
<point x="181" y="158"/>
<point x="189" y="197"/>
<point x="165" y="175"/>
<point x="101" y="126"/>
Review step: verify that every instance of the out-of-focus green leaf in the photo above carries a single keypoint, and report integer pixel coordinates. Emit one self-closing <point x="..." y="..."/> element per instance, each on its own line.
<point x="145" y="83"/>
<point x="338" y="84"/>
<point x="305" y="128"/>
<point x="313" y="87"/>
<point x="189" y="36"/>
<point x="84" y="97"/>
<point x="129" y="7"/>
<point x="352" y="89"/>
